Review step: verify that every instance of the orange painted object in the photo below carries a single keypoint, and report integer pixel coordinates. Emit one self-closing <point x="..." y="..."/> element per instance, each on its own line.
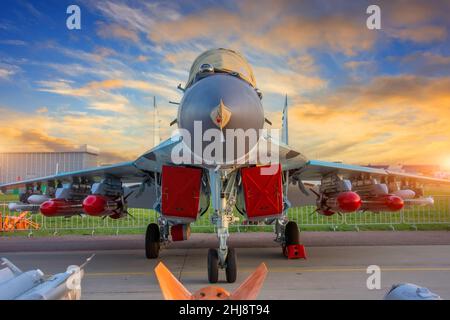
<point x="17" y="223"/>
<point x="263" y="194"/>
<point x="172" y="289"/>
<point x="295" y="251"/>
<point x="181" y="192"/>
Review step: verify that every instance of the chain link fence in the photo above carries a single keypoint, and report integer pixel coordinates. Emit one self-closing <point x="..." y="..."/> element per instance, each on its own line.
<point x="137" y="221"/>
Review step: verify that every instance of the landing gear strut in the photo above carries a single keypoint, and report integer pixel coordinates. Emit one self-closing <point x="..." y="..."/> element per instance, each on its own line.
<point x="152" y="241"/>
<point x="223" y="200"/>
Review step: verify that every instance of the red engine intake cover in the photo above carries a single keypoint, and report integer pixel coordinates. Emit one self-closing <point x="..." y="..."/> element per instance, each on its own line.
<point x="263" y="194"/>
<point x="181" y="192"/>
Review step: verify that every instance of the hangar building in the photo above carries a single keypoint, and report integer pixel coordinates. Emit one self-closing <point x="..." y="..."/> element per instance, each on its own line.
<point x="16" y="166"/>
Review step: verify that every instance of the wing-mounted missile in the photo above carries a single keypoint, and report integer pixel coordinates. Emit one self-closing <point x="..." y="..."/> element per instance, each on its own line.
<point x="376" y="197"/>
<point x="30" y="204"/>
<point x="108" y="199"/>
<point x="382" y="203"/>
<point x="335" y="195"/>
<point x="172" y="289"/>
<point x="38" y="199"/>
<point x="101" y="206"/>
<point x="21" y="207"/>
<point x="391" y="196"/>
<point x="61" y="208"/>
<point x="34" y="285"/>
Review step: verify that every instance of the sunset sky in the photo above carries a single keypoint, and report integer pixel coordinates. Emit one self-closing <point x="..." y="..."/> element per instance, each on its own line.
<point x="356" y="95"/>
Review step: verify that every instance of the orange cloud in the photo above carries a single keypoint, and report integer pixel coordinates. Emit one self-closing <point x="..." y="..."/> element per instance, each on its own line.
<point x="117" y="31"/>
<point x="392" y="119"/>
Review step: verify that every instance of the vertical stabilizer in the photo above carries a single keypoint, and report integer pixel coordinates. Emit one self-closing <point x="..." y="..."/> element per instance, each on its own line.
<point x="171" y="288"/>
<point x="284" y="126"/>
<point x="156" y="136"/>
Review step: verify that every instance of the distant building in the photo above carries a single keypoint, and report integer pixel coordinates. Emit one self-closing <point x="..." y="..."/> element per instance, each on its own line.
<point x="16" y="166"/>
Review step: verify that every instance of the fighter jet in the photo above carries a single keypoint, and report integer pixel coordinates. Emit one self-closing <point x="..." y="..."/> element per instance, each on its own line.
<point x="224" y="155"/>
<point x="34" y="285"/>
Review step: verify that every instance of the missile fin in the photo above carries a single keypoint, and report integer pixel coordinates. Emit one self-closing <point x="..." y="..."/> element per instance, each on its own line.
<point x="171" y="288"/>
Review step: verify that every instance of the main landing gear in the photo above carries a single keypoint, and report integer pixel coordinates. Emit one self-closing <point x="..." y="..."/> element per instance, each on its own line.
<point x="289" y="236"/>
<point x="152" y="241"/>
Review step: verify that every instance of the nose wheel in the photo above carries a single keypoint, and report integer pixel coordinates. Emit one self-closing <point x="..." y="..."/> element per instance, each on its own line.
<point x="214" y="265"/>
<point x="231" y="266"/>
<point x="152" y="241"/>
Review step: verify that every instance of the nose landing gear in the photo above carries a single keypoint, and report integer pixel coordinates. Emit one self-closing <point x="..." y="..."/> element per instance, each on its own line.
<point x="214" y="264"/>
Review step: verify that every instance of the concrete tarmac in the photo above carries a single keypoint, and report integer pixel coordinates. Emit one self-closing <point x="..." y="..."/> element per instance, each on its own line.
<point x="330" y="272"/>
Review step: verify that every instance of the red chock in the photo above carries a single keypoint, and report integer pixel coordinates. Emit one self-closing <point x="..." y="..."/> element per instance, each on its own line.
<point x="295" y="251"/>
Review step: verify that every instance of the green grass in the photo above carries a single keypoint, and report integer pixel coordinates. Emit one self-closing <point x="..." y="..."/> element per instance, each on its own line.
<point x="434" y="218"/>
<point x="413" y="219"/>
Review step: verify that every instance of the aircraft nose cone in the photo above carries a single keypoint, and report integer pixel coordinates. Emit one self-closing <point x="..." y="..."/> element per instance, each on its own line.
<point x="221" y="101"/>
<point x="224" y="103"/>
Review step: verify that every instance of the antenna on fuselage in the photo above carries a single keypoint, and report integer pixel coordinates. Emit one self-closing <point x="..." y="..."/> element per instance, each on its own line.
<point x="284" y="126"/>
<point x="156" y="137"/>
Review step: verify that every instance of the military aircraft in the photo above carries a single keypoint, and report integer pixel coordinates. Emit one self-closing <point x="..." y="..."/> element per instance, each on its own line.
<point x="182" y="176"/>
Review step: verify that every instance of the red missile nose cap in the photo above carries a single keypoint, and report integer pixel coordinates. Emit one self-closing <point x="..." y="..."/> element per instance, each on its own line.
<point x="94" y="205"/>
<point x="50" y="207"/>
<point x="395" y="203"/>
<point x="349" y="201"/>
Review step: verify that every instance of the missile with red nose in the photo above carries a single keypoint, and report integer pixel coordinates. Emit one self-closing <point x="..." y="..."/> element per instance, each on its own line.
<point x="61" y="208"/>
<point x="387" y="203"/>
<point x="98" y="206"/>
<point x="344" y="202"/>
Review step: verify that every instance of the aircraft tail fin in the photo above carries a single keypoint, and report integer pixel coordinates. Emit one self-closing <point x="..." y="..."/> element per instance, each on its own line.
<point x="251" y="287"/>
<point x="171" y="288"/>
<point x="284" y="126"/>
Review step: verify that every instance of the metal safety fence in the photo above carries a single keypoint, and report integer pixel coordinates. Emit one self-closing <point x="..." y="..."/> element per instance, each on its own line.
<point x="137" y="221"/>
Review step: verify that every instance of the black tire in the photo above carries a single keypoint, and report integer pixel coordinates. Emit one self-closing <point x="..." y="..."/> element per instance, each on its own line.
<point x="231" y="268"/>
<point x="152" y="241"/>
<point x="291" y="233"/>
<point x="213" y="266"/>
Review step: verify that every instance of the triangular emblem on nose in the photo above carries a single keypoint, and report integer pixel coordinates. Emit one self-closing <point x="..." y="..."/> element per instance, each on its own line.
<point x="221" y="115"/>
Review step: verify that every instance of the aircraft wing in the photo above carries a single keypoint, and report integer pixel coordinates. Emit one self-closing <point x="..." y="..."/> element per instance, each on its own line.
<point x="129" y="172"/>
<point x="314" y="170"/>
<point x="126" y="170"/>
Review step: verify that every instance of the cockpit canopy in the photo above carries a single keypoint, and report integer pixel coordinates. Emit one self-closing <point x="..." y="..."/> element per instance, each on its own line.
<point x="221" y="60"/>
